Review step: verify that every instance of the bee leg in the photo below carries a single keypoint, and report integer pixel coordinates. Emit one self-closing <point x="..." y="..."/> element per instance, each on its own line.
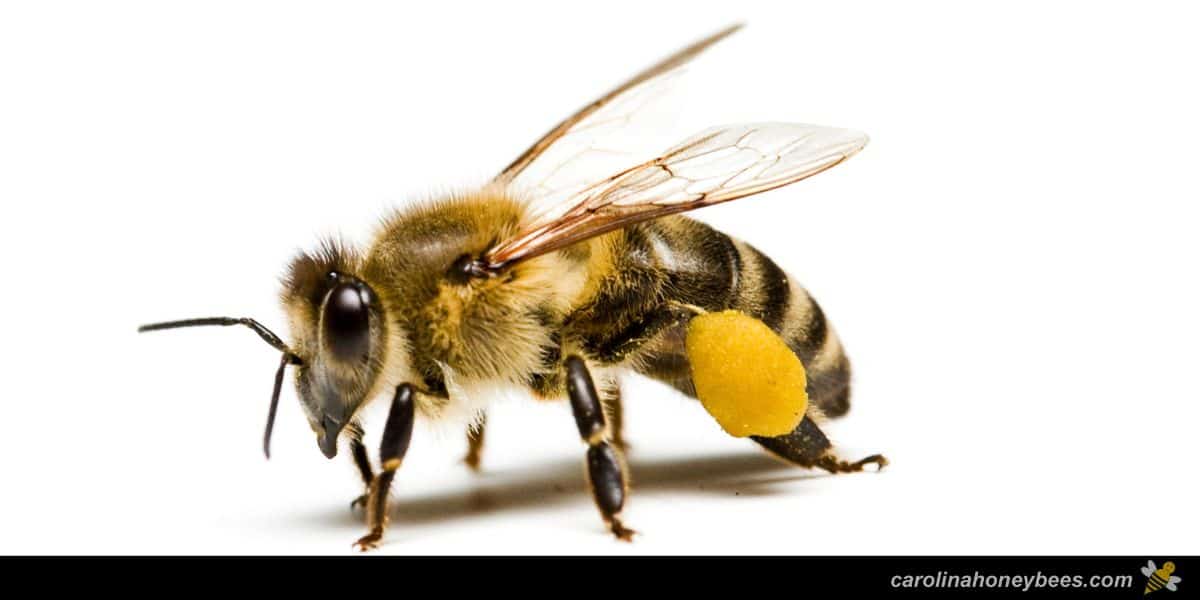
<point x="475" y="435"/>
<point x="606" y="471"/>
<point x="616" y="420"/>
<point x="833" y="464"/>
<point x="396" y="436"/>
<point x="359" y="451"/>
<point x="629" y="340"/>
<point x="807" y="446"/>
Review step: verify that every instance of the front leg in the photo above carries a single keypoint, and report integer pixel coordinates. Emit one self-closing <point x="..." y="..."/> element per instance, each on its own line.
<point x="359" y="451"/>
<point x="396" y="436"/>
<point x="606" y="472"/>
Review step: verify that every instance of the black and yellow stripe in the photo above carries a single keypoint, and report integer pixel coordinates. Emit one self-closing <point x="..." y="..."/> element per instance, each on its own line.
<point x="1154" y="583"/>
<point x="679" y="261"/>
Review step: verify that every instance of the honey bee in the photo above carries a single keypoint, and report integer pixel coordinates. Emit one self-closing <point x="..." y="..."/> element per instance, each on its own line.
<point x="1157" y="579"/>
<point x="555" y="284"/>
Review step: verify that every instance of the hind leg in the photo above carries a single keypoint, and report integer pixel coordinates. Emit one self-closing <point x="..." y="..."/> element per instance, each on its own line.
<point x="807" y="446"/>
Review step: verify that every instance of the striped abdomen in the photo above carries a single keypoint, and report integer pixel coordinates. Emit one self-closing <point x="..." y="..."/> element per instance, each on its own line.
<point x="1154" y="583"/>
<point x="676" y="259"/>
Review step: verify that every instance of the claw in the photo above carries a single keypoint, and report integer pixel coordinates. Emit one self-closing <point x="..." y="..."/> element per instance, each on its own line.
<point x="877" y="459"/>
<point x="472" y="460"/>
<point x="369" y="541"/>
<point x="831" y="463"/>
<point x="622" y="532"/>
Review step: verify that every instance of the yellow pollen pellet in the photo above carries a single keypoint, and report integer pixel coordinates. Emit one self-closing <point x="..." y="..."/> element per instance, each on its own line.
<point x="746" y="377"/>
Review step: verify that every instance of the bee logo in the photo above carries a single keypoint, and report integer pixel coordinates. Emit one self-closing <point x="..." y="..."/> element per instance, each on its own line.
<point x="1157" y="579"/>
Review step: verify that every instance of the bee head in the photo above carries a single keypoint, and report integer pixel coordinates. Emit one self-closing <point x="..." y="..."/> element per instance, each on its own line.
<point x="337" y="324"/>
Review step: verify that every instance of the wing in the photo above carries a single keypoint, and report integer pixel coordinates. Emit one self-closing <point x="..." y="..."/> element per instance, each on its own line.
<point x="1174" y="580"/>
<point x="588" y="145"/>
<point x="714" y="166"/>
<point x="1148" y="570"/>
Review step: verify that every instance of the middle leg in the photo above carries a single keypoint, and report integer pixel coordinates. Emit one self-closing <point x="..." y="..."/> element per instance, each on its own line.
<point x="615" y="411"/>
<point x="606" y="472"/>
<point x="475" y="435"/>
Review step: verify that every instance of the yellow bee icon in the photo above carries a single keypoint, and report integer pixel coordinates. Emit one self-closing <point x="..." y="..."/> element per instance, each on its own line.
<point x="1157" y="579"/>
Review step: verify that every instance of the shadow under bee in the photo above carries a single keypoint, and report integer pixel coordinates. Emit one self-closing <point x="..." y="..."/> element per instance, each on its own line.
<point x="539" y="486"/>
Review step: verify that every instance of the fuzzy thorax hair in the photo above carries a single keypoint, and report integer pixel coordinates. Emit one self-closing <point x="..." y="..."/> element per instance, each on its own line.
<point x="435" y="331"/>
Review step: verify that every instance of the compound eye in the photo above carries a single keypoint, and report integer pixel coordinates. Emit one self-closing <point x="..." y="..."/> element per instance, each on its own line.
<point x="347" y="321"/>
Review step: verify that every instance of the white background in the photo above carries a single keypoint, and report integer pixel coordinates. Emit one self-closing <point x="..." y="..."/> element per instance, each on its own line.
<point x="1011" y="264"/>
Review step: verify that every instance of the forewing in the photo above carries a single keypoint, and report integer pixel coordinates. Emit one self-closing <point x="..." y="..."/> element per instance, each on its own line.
<point x="714" y="166"/>
<point x="603" y="137"/>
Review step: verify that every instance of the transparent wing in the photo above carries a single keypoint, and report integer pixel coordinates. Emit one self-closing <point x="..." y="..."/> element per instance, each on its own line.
<point x="714" y="166"/>
<point x="605" y="136"/>
<point x="621" y="134"/>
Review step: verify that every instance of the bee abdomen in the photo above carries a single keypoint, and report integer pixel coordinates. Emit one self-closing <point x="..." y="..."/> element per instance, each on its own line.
<point x="713" y="271"/>
<point x="766" y="292"/>
<point x="1155" y="583"/>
